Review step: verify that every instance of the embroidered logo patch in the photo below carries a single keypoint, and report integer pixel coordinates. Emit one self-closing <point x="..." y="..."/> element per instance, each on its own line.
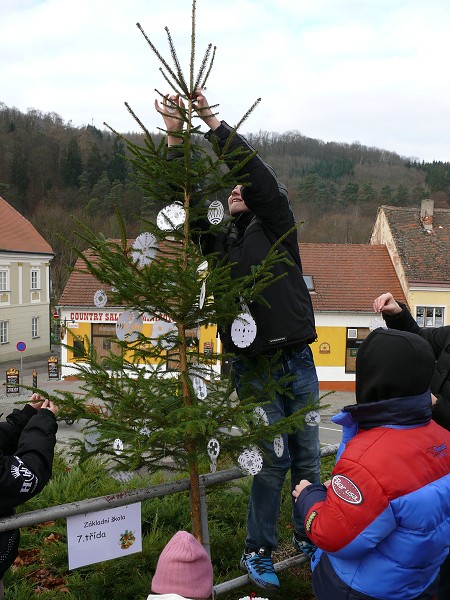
<point x="439" y="451"/>
<point x="346" y="490"/>
<point x="29" y="480"/>
<point x="310" y="519"/>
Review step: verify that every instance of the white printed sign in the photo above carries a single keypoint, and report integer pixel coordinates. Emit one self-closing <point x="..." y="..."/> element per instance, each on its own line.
<point x="104" y="535"/>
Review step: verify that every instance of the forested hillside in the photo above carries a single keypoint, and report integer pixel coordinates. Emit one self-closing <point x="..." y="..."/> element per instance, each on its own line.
<point x="57" y="175"/>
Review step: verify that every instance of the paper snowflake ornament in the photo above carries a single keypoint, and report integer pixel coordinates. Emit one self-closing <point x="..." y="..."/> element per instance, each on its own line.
<point x="144" y="249"/>
<point x="243" y="330"/>
<point x="250" y="461"/>
<point x="202" y="270"/>
<point x="118" y="446"/>
<point x="213" y="449"/>
<point x="100" y="299"/>
<point x="199" y="385"/>
<point x="278" y="445"/>
<point x="377" y="322"/>
<point x="164" y="333"/>
<point x="312" y="418"/>
<point x="215" y="212"/>
<point x="201" y="299"/>
<point x="261" y="415"/>
<point x="129" y="326"/>
<point x="171" y="217"/>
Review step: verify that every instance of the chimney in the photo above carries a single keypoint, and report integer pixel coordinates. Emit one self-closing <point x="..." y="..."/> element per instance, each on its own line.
<point x="426" y="214"/>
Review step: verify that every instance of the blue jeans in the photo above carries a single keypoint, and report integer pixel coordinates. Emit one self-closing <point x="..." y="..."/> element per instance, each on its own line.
<point x="301" y="449"/>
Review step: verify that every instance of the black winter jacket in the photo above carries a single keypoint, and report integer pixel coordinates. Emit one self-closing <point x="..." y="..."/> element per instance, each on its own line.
<point x="27" y="442"/>
<point x="439" y="339"/>
<point x="288" y="319"/>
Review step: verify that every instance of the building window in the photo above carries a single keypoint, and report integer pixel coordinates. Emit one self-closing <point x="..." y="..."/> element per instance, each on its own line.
<point x="430" y="316"/>
<point x="34" y="327"/>
<point x="4" y="280"/>
<point x="355" y="337"/>
<point x="4" y="332"/>
<point x="79" y="350"/>
<point x="35" y="279"/>
<point x="309" y="280"/>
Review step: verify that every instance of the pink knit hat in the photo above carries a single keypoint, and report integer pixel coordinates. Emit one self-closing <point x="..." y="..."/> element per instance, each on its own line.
<point x="184" y="568"/>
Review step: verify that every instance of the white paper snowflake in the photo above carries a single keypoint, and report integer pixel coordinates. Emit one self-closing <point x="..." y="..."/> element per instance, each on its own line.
<point x="201" y="300"/>
<point x="199" y="385"/>
<point x="278" y="445"/>
<point x="165" y="333"/>
<point x="202" y="270"/>
<point x="129" y="326"/>
<point x="171" y="217"/>
<point x="118" y="446"/>
<point x="250" y="461"/>
<point x="261" y="415"/>
<point x="144" y="249"/>
<point x="312" y="418"/>
<point x="377" y="322"/>
<point x="215" y="212"/>
<point x="100" y="298"/>
<point x="213" y="448"/>
<point x="243" y="330"/>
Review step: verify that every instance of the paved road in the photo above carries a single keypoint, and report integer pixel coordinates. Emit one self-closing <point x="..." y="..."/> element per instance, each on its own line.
<point x="329" y="432"/>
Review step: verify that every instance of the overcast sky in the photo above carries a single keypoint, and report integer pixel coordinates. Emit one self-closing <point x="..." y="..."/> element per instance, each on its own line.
<point x="373" y="71"/>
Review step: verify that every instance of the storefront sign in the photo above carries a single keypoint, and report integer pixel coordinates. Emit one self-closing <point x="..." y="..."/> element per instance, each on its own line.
<point x="12" y="381"/>
<point x="53" y="368"/>
<point x="107" y="317"/>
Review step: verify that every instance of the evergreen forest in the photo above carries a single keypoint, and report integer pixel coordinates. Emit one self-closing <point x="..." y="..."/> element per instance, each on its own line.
<point x="58" y="176"/>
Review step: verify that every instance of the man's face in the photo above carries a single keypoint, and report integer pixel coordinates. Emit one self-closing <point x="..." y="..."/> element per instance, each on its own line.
<point x="235" y="202"/>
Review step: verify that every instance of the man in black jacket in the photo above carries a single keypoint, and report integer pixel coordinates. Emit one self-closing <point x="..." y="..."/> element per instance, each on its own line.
<point x="283" y="326"/>
<point x="397" y="316"/>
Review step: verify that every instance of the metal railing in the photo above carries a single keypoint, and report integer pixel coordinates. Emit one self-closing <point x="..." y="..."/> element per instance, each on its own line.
<point x="123" y="498"/>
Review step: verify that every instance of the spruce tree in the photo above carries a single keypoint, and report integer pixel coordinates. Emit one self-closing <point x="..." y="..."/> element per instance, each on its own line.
<point x="177" y="419"/>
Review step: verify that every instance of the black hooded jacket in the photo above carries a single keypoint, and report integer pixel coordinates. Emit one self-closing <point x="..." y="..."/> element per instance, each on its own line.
<point x="288" y="317"/>
<point x="439" y="339"/>
<point x="27" y="442"/>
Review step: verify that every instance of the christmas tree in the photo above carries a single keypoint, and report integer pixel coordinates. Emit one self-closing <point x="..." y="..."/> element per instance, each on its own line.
<point x="180" y="418"/>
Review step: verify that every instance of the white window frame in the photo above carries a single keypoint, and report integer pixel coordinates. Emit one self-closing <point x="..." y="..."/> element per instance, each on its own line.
<point x="4" y="332"/>
<point x="4" y="280"/>
<point x="34" y="327"/>
<point x="35" y="279"/>
<point x="426" y="316"/>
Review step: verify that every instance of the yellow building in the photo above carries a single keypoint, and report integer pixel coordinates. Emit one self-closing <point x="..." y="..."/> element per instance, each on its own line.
<point x="84" y="322"/>
<point x="418" y="242"/>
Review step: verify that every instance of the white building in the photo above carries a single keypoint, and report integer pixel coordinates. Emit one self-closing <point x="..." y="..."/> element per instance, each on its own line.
<point x="24" y="287"/>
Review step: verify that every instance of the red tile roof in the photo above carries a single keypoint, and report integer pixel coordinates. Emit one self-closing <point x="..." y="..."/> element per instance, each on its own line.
<point x="348" y="277"/>
<point x="17" y="234"/>
<point x="425" y="256"/>
<point x="81" y="285"/>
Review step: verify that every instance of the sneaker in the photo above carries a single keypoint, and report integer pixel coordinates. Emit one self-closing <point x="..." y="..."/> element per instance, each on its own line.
<point x="303" y="545"/>
<point x="259" y="566"/>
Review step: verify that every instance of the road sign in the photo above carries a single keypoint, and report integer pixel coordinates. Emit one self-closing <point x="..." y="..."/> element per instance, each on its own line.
<point x="21" y="346"/>
<point x="56" y="315"/>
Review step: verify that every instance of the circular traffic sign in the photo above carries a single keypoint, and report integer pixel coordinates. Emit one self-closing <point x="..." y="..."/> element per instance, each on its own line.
<point x="21" y="346"/>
